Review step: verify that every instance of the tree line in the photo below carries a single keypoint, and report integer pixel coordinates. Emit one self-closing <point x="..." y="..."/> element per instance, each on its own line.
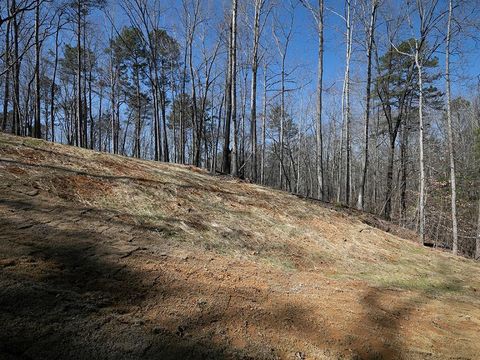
<point x="221" y="85"/>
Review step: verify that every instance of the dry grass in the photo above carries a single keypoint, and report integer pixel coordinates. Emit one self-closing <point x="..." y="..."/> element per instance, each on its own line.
<point x="102" y="254"/>
<point x="196" y="210"/>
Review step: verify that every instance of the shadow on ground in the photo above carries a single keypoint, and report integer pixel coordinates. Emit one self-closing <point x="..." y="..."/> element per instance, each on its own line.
<point x="74" y="283"/>
<point x="66" y="293"/>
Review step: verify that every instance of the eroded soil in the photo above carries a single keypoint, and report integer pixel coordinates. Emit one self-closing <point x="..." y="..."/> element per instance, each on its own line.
<point x="80" y="280"/>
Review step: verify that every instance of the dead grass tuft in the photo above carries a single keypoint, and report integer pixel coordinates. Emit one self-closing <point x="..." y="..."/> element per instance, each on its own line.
<point x="81" y="188"/>
<point x="15" y="170"/>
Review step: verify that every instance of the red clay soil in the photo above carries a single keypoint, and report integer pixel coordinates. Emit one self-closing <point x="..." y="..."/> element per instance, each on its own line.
<point x="80" y="282"/>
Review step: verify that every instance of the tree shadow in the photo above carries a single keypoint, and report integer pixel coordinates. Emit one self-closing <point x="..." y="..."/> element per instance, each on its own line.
<point x="68" y="290"/>
<point x="386" y="313"/>
<point x="66" y="294"/>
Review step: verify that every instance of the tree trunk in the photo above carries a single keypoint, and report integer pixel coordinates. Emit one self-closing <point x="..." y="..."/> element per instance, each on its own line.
<point x="138" y="117"/>
<point x="215" y="149"/>
<point x="347" y="107"/>
<point x="7" y="73"/>
<point x="156" y="129"/>
<point x="282" y="50"/>
<point x="163" y="108"/>
<point x="84" y="87"/>
<point x="52" y="87"/>
<point x="37" y="129"/>
<point x="371" y="31"/>
<point x="253" y="94"/>
<point x="173" y="116"/>
<point x="318" y="133"/>
<point x="450" y="134"/>
<point x="182" y="106"/>
<point x="403" y="166"/>
<point x="154" y="84"/>
<point x="228" y="101"/>
<point x="340" y="158"/>
<point x="100" y="115"/>
<point x="47" y="114"/>
<point x="253" y="125"/>
<point x="197" y="132"/>
<point x="78" y="126"/>
<point x="90" y="108"/>
<point x="282" y="119"/>
<point x="16" y="128"/>
<point x="264" y="118"/>
<point x="243" y="114"/>
<point x="114" y="141"/>
<point x="376" y="157"/>
<point x="318" y="15"/>
<point x="421" y="205"/>
<point x="389" y="185"/>
<point x="234" y="158"/>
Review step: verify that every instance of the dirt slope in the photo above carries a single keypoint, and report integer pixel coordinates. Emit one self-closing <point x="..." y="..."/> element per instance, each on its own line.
<point x="106" y="257"/>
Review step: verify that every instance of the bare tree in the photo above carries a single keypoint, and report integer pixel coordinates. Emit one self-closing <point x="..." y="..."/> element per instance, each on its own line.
<point x="54" y="76"/>
<point x="282" y="34"/>
<point x="7" y="71"/>
<point x="228" y="158"/>
<point x="257" y="30"/>
<point x="205" y="84"/>
<point x="370" y="40"/>
<point x="234" y="158"/>
<point x="79" y="121"/>
<point x="421" y="205"/>
<point x="318" y="15"/>
<point x="264" y="120"/>
<point x="37" y="132"/>
<point x="427" y="21"/>
<point x="346" y="102"/>
<point x="24" y="6"/>
<point x="453" y="185"/>
<point x="144" y="16"/>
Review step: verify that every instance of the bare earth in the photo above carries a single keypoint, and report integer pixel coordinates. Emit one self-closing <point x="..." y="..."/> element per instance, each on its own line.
<point x="105" y="257"/>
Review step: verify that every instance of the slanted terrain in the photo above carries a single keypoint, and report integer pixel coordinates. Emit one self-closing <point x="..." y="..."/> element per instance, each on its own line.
<point x="107" y="257"/>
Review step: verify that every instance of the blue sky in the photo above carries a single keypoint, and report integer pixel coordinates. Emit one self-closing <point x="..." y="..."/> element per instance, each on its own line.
<point x="302" y="53"/>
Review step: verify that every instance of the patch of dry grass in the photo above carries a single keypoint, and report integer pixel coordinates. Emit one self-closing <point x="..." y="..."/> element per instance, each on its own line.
<point x="197" y="210"/>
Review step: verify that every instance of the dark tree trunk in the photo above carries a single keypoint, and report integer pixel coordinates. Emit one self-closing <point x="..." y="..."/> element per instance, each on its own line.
<point x="52" y="86"/>
<point x="403" y="165"/>
<point x="78" y="125"/>
<point x="226" y="158"/>
<point x="389" y="186"/>
<point x="7" y="73"/>
<point x="16" y="128"/>
<point x="371" y="35"/>
<point x="37" y="129"/>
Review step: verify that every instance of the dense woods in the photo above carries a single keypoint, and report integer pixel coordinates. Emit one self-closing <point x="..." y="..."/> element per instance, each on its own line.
<point x="373" y="104"/>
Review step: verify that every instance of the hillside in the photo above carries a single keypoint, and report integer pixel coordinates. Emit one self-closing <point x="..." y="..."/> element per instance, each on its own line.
<point x="103" y="256"/>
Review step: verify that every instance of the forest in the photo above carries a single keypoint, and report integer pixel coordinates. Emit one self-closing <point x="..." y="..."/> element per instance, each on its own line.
<point x="368" y="104"/>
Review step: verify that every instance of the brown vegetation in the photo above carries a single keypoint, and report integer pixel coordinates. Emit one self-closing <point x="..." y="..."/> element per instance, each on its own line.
<point x="103" y="256"/>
